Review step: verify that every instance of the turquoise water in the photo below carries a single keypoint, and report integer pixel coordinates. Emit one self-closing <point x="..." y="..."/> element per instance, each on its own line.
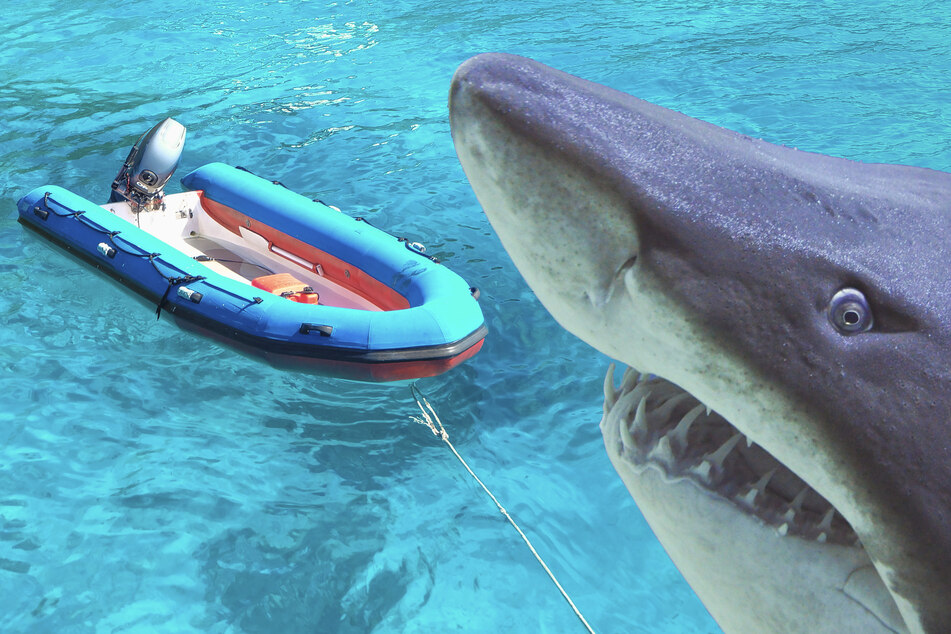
<point x="153" y="481"/>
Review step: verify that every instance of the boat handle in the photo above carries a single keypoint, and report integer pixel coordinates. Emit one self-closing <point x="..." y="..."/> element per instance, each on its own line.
<point x="418" y="248"/>
<point x="324" y="330"/>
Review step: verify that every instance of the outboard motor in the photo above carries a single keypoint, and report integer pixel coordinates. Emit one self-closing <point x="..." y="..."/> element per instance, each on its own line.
<point x="150" y="165"/>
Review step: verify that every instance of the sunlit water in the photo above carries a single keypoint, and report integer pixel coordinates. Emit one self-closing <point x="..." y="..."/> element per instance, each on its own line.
<point x="153" y="481"/>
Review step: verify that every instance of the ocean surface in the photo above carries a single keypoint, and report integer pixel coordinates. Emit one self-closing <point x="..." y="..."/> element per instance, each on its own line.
<point x="153" y="481"/>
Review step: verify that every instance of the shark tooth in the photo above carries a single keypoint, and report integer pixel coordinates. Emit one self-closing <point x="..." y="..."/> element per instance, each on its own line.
<point x="826" y="524"/>
<point x="621" y="410"/>
<point x="615" y="417"/>
<point x="626" y="401"/>
<point x="627" y="438"/>
<point x="663" y="412"/>
<point x="717" y="457"/>
<point x="683" y="427"/>
<point x="764" y="480"/>
<point x="796" y="504"/>
<point x="784" y="529"/>
<point x="629" y="379"/>
<point x="663" y="453"/>
<point x="750" y="496"/>
<point x="702" y="471"/>
<point x="640" y="415"/>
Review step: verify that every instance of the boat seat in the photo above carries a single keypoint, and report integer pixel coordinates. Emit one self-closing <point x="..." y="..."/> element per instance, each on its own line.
<point x="287" y="286"/>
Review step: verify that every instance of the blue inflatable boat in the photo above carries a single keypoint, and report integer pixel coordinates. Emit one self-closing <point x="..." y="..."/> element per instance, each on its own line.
<point x="249" y="262"/>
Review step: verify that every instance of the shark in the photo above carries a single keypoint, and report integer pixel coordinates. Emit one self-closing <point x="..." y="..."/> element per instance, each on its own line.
<point x="784" y="420"/>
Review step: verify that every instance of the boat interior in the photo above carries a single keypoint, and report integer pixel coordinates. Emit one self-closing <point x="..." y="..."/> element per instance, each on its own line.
<point x="181" y="222"/>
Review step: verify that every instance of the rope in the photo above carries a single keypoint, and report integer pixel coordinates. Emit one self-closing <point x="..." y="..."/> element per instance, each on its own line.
<point x="431" y="420"/>
<point x="153" y="258"/>
<point x="173" y="281"/>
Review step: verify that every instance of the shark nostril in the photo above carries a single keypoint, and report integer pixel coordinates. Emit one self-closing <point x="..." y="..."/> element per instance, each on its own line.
<point x="626" y="266"/>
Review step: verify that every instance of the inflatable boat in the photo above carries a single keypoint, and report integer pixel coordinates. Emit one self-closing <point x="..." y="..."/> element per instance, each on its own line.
<point x="273" y="273"/>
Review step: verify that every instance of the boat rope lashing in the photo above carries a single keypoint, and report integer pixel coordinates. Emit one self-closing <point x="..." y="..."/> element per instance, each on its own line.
<point x="277" y="182"/>
<point x="106" y="250"/>
<point x="273" y="182"/>
<point x="70" y="213"/>
<point x="431" y="420"/>
<point x="189" y="294"/>
<point x="418" y="248"/>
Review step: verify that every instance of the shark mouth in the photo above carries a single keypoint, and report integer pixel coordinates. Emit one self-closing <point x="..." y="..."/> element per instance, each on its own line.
<point x="664" y="427"/>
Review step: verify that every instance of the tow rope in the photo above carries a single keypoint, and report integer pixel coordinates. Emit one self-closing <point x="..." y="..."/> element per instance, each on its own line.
<point x="431" y="420"/>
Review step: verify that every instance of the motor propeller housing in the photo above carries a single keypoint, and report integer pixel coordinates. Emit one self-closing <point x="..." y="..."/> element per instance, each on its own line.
<point x="149" y="165"/>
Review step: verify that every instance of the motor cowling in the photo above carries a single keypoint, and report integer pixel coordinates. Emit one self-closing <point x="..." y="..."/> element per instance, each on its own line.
<point x="150" y="165"/>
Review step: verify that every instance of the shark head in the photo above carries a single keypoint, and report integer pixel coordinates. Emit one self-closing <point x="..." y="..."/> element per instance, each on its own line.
<point x="787" y="430"/>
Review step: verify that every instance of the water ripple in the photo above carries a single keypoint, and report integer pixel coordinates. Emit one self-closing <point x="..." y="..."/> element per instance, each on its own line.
<point x="153" y="480"/>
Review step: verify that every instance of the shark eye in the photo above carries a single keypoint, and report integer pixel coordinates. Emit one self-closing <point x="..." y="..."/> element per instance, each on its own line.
<point x="849" y="312"/>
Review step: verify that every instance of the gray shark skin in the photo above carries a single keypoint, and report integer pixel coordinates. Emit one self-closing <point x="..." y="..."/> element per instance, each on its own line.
<point x="816" y="495"/>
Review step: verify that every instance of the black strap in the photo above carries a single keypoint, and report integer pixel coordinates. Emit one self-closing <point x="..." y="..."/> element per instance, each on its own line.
<point x="275" y="182"/>
<point x="158" y="309"/>
<point x="174" y="281"/>
<point x="113" y="236"/>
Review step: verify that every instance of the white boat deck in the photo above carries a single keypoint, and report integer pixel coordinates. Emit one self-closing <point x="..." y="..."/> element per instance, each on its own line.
<point x="184" y="225"/>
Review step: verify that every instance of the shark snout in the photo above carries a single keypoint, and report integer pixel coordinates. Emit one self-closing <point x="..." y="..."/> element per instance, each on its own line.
<point x="569" y="230"/>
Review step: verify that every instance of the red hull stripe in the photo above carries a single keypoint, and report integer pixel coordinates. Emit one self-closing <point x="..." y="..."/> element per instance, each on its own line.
<point x="373" y="372"/>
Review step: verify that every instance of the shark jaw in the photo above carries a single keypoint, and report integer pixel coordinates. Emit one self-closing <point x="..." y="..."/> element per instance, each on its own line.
<point x="695" y="476"/>
<point x="711" y="262"/>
